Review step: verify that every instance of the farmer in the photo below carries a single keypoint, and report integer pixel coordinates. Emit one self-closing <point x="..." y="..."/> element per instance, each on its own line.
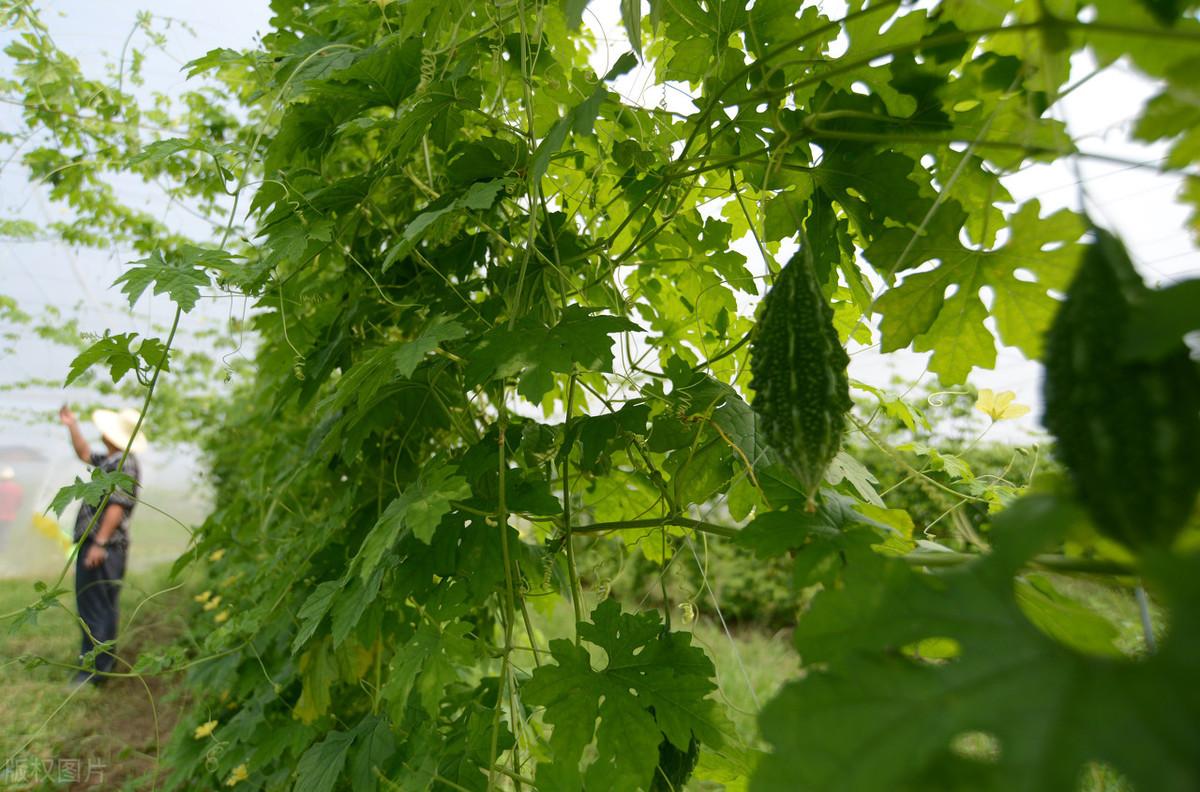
<point x="100" y="564"/>
<point x="10" y="503"/>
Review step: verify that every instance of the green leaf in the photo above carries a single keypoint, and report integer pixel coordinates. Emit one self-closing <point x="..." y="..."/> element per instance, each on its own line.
<point x="645" y="669"/>
<point x="161" y="150"/>
<point x="348" y="609"/>
<point x="320" y="767"/>
<point x="112" y="351"/>
<point x="1064" y="618"/>
<point x="846" y="468"/>
<point x="773" y="533"/>
<point x="535" y="353"/>
<point x="870" y="718"/>
<point x="573" y="11"/>
<point x="698" y="472"/>
<point x="478" y="197"/>
<point x="579" y="119"/>
<point x="631" y="18"/>
<point x="382" y="366"/>
<point x="314" y="609"/>
<point x="786" y="212"/>
<point x="918" y="312"/>
<point x="417" y="510"/>
<point x="214" y="59"/>
<point x="954" y="466"/>
<point x="92" y="491"/>
<point x="409" y="355"/>
<point x="431" y="660"/>
<point x="596" y="433"/>
<point x="1168" y="12"/>
<point x="181" y="277"/>
<point x="371" y="751"/>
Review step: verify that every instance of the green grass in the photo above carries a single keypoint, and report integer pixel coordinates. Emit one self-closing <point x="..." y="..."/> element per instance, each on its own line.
<point x="114" y="731"/>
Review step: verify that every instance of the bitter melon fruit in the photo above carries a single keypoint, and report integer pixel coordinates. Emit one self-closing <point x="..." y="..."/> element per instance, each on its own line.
<point x="798" y="368"/>
<point x="1128" y="430"/>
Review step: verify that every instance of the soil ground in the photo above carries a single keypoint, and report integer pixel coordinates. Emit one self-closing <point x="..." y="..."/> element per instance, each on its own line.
<point x="105" y="737"/>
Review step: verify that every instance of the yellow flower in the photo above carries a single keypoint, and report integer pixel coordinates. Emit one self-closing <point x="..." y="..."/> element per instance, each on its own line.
<point x="204" y="729"/>
<point x="222" y="616"/>
<point x="217" y="555"/>
<point x="202" y="596"/>
<point x="238" y="775"/>
<point x="999" y="406"/>
<point x="213" y="603"/>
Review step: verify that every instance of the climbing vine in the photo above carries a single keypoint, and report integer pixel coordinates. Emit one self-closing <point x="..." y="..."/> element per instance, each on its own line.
<point x="500" y="307"/>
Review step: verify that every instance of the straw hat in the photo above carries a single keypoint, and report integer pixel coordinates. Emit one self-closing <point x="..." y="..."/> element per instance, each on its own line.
<point x="7" y="473"/>
<point x="117" y="427"/>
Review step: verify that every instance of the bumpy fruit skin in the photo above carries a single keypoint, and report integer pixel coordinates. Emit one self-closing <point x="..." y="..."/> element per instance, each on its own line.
<point x="798" y="367"/>
<point x="1128" y="431"/>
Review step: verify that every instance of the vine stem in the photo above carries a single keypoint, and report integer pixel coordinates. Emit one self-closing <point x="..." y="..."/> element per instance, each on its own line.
<point x="912" y="471"/>
<point x="729" y="350"/>
<point x="1143" y="602"/>
<point x="509" y="606"/>
<point x="659" y="522"/>
<point x="1048" y="561"/>
<point x="520" y="779"/>
<point x="572" y="569"/>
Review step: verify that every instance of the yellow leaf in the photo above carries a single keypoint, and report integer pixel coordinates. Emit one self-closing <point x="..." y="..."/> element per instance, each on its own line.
<point x="213" y="603"/>
<point x="222" y="616"/>
<point x="238" y="775"/>
<point x="204" y="729"/>
<point x="202" y="596"/>
<point x="354" y="660"/>
<point x="999" y="406"/>
<point x="899" y="519"/>
<point x="318" y="672"/>
<point x="217" y="555"/>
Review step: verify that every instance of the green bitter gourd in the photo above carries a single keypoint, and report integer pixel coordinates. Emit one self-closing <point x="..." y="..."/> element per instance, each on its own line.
<point x="1128" y="430"/>
<point x="798" y="368"/>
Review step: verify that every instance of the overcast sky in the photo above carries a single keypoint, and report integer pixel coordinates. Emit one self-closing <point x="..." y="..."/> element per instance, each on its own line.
<point x="1139" y="203"/>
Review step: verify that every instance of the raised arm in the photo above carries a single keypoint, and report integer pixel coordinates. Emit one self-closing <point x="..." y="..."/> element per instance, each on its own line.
<point x="82" y="449"/>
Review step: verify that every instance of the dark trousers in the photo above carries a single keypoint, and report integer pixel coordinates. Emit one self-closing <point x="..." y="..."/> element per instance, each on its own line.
<point x="96" y="593"/>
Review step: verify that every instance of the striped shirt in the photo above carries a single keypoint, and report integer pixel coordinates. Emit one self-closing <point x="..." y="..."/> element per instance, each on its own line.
<point x="108" y="463"/>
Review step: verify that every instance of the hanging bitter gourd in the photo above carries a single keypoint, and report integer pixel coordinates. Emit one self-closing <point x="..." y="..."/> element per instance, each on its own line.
<point x="1128" y="430"/>
<point x="798" y="367"/>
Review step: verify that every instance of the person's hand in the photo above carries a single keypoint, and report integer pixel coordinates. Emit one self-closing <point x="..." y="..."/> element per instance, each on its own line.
<point x="66" y="416"/>
<point x="94" y="556"/>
